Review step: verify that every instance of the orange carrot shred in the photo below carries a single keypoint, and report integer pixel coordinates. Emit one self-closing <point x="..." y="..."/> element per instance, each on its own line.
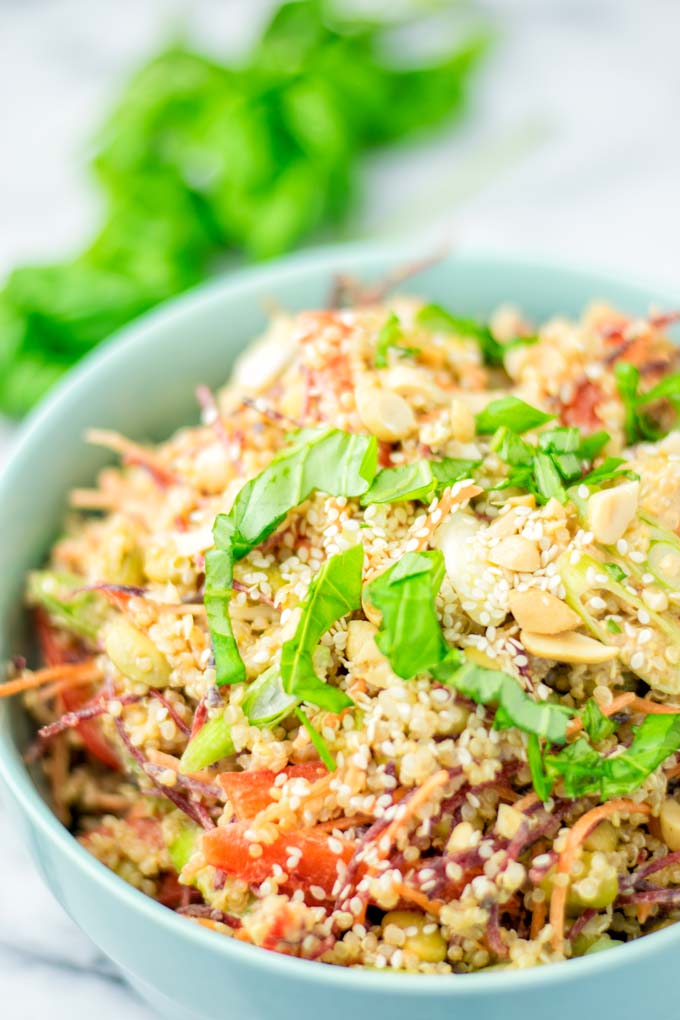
<point x="538" y="917"/>
<point x="67" y="672"/>
<point x="407" y="892"/>
<point x="576" y="835"/>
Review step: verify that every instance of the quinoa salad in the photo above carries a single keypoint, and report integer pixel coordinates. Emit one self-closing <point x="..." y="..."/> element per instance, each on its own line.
<point x="379" y="665"/>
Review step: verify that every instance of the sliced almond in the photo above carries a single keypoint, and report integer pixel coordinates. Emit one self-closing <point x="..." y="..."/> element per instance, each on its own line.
<point x="516" y="553"/>
<point x="386" y="415"/>
<point x="568" y="647"/>
<point x="610" y="511"/>
<point x="541" y="612"/>
<point x="505" y="524"/>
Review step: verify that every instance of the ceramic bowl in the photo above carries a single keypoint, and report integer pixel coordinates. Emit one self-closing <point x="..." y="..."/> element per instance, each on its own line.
<point x="142" y="383"/>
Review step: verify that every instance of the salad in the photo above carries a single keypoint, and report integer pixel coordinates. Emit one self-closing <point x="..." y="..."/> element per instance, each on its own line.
<point x="379" y="665"/>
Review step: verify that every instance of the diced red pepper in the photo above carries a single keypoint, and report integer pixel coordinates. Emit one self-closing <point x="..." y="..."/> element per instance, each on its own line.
<point x="250" y="792"/>
<point x="316" y="864"/>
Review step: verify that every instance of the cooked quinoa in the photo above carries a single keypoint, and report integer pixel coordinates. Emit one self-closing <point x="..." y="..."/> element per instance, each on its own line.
<point x="410" y="706"/>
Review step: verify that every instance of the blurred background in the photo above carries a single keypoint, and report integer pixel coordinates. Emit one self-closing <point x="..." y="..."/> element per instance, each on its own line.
<point x="148" y="144"/>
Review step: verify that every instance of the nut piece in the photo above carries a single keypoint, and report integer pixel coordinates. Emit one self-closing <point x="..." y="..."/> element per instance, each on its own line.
<point x="508" y="821"/>
<point x="669" y="819"/>
<point x="361" y="646"/>
<point x="386" y="415"/>
<point x="541" y="612"/>
<point x="462" y="421"/>
<point x="610" y="511"/>
<point x="516" y="553"/>
<point x="135" y="655"/>
<point x="568" y="647"/>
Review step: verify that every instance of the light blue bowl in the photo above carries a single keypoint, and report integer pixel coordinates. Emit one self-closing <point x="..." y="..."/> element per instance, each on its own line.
<point x="143" y="384"/>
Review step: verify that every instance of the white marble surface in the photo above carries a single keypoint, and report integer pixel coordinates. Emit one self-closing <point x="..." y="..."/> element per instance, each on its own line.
<point x="573" y="152"/>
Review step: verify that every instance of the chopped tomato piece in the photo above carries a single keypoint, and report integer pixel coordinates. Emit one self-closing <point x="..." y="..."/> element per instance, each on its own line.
<point x="316" y="864"/>
<point x="250" y="792"/>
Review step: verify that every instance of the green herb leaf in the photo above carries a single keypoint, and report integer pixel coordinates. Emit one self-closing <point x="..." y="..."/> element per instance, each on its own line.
<point x="593" y="444"/>
<point x="266" y="702"/>
<point x="325" y="459"/>
<point x="339" y="463"/>
<point x="542" y="785"/>
<point x="515" y="707"/>
<point x="60" y="593"/>
<point x="420" y="480"/>
<point x="548" y="481"/>
<point x="334" y="592"/>
<point x="410" y="635"/>
<point x="318" y="741"/>
<point x="584" y="771"/>
<point x="438" y="319"/>
<point x="615" y="571"/>
<point x="513" y="413"/>
<point x="562" y="439"/>
<point x="595" y="722"/>
<point x="390" y="335"/>
<point x="609" y="469"/>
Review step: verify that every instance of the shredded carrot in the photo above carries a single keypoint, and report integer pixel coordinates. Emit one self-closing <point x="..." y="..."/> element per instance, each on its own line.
<point x="57" y="688"/>
<point x="207" y="922"/>
<point x="428" y="906"/>
<point x="69" y="673"/>
<point x="168" y="761"/>
<point x="387" y="839"/>
<point x="631" y="701"/>
<point x="643" y="911"/>
<point x="526" y="802"/>
<point x="576" y="835"/>
<point x="538" y="917"/>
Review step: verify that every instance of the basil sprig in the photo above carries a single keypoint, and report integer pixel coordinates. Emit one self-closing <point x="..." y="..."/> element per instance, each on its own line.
<point x="438" y="319"/>
<point x="584" y="772"/>
<point x="421" y="480"/>
<point x="513" y="413"/>
<point x="334" y="592"/>
<point x="329" y="460"/>
<point x="390" y="336"/>
<point x="638" y="424"/>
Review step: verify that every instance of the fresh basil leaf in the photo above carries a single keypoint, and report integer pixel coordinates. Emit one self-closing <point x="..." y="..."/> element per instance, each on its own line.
<point x="339" y="463"/>
<point x="515" y="706"/>
<point x="394" y="485"/>
<point x="593" y="444"/>
<point x="334" y="592"/>
<point x="548" y="481"/>
<point x="325" y="459"/>
<point x="542" y="785"/>
<point x="318" y="741"/>
<point x="584" y="771"/>
<point x="390" y="335"/>
<point x="512" y="449"/>
<point x="667" y="389"/>
<point x="438" y="319"/>
<point x="512" y="412"/>
<point x="595" y="723"/>
<point x="568" y="465"/>
<point x="410" y="634"/>
<point x="615" y="571"/>
<point x="611" y="467"/>
<point x="563" y="439"/>
<point x="449" y="470"/>
<point x="636" y="424"/>
<point x="419" y="480"/>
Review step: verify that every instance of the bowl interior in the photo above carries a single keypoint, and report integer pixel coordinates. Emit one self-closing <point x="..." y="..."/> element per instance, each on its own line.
<point x="143" y="383"/>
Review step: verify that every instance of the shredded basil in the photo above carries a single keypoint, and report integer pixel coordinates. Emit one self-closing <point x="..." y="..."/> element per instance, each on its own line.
<point x="637" y="423"/>
<point x="513" y="413"/>
<point x="318" y="740"/>
<point x="334" y="592"/>
<point x="391" y="336"/>
<point x="410" y="634"/>
<point x="438" y="319"/>
<point x="336" y="462"/>
<point x="595" y="723"/>
<point x="583" y="771"/>
<point x="421" y="480"/>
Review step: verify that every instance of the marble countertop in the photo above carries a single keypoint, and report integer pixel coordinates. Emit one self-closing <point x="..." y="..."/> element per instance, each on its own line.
<point x="572" y="153"/>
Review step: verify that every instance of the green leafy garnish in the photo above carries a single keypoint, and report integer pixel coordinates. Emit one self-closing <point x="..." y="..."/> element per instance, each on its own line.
<point x="615" y="571"/>
<point x="539" y="779"/>
<point x="610" y="468"/>
<point x="548" y="480"/>
<point x="637" y="422"/>
<point x="339" y="463"/>
<point x="212" y="743"/>
<point x="438" y="319"/>
<point x="410" y="635"/>
<point x="318" y="740"/>
<point x="200" y="160"/>
<point x="390" y="336"/>
<point x="583" y="771"/>
<point x="595" y="723"/>
<point x="515" y="706"/>
<point x="334" y="592"/>
<point x="60" y="593"/>
<point x="421" y="480"/>
<point x="511" y="412"/>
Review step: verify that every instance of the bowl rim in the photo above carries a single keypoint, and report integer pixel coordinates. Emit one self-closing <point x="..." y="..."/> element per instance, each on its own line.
<point x="329" y="259"/>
